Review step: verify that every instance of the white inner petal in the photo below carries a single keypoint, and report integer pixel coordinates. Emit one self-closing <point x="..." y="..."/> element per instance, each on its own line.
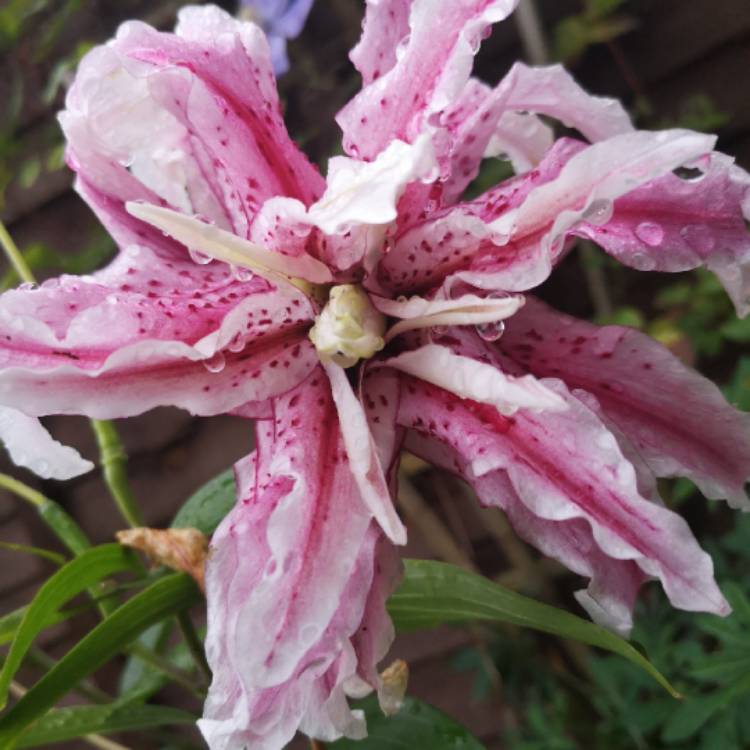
<point x="417" y="312"/>
<point x="222" y="245"/>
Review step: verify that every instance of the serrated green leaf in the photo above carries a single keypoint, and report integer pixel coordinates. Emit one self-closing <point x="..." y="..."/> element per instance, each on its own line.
<point x="205" y="509"/>
<point x="433" y="593"/>
<point x="70" y="580"/>
<point x="65" y="724"/>
<point x="164" y="598"/>
<point x="417" y="726"/>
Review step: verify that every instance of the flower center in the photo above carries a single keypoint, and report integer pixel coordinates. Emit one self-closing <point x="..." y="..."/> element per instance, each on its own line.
<point x="349" y="328"/>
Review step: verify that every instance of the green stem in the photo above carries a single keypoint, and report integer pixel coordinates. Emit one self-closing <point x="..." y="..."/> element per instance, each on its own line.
<point x="194" y="643"/>
<point x="47" y="554"/>
<point x="62" y="525"/>
<point x="114" y="462"/>
<point x="163" y="665"/>
<point x="14" y="255"/>
<point x="58" y="521"/>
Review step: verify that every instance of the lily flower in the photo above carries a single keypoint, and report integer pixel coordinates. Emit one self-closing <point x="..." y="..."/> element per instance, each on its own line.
<point x="373" y="311"/>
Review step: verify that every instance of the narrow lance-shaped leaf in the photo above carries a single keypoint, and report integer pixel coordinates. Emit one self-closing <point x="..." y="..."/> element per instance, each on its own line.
<point x="433" y="593"/>
<point x="70" y="723"/>
<point x="164" y="598"/>
<point x="69" y="581"/>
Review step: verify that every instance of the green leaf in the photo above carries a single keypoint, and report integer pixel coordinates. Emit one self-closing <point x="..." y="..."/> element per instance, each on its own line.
<point x="205" y="509"/>
<point x="692" y="715"/>
<point x="416" y="726"/>
<point x="164" y="598"/>
<point x="737" y="329"/>
<point x="47" y="554"/>
<point x="10" y="623"/>
<point x="69" y="581"/>
<point x="433" y="593"/>
<point x="69" y="723"/>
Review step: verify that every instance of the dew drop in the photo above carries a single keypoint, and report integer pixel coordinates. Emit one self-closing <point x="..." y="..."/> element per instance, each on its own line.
<point x="237" y="344"/>
<point x="28" y="286"/>
<point x="198" y="257"/>
<point x="643" y="262"/>
<point x="491" y="331"/>
<point x="242" y="274"/>
<point x="598" y="212"/>
<point x="650" y="232"/>
<point x="698" y="237"/>
<point x="215" y="363"/>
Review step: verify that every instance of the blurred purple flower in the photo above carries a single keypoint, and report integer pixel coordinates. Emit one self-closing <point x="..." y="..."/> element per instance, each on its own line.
<point x="281" y="20"/>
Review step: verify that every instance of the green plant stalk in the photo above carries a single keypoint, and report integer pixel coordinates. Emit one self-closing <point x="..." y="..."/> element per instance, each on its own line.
<point x="14" y="256"/>
<point x="46" y="554"/>
<point x="158" y="662"/>
<point x="62" y="525"/>
<point x="114" y="467"/>
<point x="58" y="521"/>
<point x="194" y="643"/>
<point x="112" y="455"/>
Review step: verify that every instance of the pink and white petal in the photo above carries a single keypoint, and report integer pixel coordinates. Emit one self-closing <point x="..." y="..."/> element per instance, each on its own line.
<point x="676" y="419"/>
<point x="292" y="581"/>
<point x="468" y="378"/>
<point x="193" y="119"/>
<point x="566" y="465"/>
<point x="431" y="69"/>
<point x="30" y="445"/>
<point x="109" y="122"/>
<point x="143" y="333"/>
<point x="549" y="91"/>
<point x="469" y="309"/>
<point x="674" y="224"/>
<point x="385" y="25"/>
<point x="584" y="190"/>
<point x="360" y="192"/>
<point x="522" y="138"/>
<point x="553" y="92"/>
<point x="613" y="587"/>
<point x="379" y="393"/>
<point x="363" y="456"/>
<point x="427" y="250"/>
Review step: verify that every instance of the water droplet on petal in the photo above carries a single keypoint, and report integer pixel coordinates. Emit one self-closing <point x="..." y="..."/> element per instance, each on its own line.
<point x="598" y="212"/>
<point x="237" y="344"/>
<point x="28" y="286"/>
<point x="650" y="232"/>
<point x="491" y="331"/>
<point x="698" y="237"/>
<point x="643" y="262"/>
<point x="242" y="274"/>
<point x="215" y="363"/>
<point x="198" y="257"/>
